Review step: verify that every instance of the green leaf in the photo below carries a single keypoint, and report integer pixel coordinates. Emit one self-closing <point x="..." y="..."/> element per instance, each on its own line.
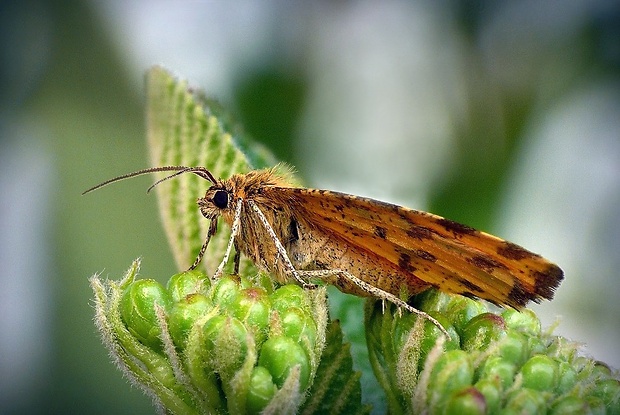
<point x="336" y="388"/>
<point x="186" y="129"/>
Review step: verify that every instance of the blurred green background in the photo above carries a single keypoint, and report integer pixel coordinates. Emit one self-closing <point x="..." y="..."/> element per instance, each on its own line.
<point x="502" y="115"/>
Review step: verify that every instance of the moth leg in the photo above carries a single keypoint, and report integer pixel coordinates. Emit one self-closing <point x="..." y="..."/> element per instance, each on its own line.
<point x="236" y="259"/>
<point x="280" y="248"/>
<point x="234" y="230"/>
<point x="373" y="291"/>
<point x="203" y="248"/>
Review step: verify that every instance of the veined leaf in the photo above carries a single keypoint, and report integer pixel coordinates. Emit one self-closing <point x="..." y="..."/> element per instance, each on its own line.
<point x="184" y="128"/>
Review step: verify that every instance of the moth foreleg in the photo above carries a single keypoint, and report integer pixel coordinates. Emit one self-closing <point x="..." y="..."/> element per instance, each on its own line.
<point x="236" y="259"/>
<point x="203" y="248"/>
<point x="373" y="291"/>
<point x="234" y="230"/>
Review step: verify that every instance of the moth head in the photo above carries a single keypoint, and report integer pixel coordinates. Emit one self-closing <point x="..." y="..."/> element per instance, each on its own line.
<point x="217" y="200"/>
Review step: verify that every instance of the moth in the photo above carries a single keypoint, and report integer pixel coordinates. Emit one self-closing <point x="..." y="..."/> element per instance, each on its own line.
<point x="362" y="246"/>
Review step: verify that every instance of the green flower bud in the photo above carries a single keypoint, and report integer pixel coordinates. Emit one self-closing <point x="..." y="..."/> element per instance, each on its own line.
<point x="495" y="367"/>
<point x="432" y="334"/>
<point x="252" y="307"/>
<point x="452" y="371"/>
<point x="429" y="335"/>
<point x="225" y="344"/>
<point x="601" y="370"/>
<point x="468" y="401"/>
<point x="289" y="296"/>
<point x="525" y="401"/>
<point x="261" y="390"/>
<point x="567" y="377"/>
<point x="137" y="307"/>
<point x="608" y="391"/>
<point x="483" y="330"/>
<point x="524" y="321"/>
<point x="514" y="347"/>
<point x="536" y="345"/>
<point x="188" y="282"/>
<point x="569" y="405"/>
<point x="540" y="373"/>
<point x="431" y="300"/>
<point x="279" y="355"/>
<point x="561" y="349"/>
<point x="225" y="290"/>
<point x="299" y="326"/>
<point x="184" y="314"/>
<point x="460" y="310"/>
<point x="596" y="406"/>
<point x="491" y="389"/>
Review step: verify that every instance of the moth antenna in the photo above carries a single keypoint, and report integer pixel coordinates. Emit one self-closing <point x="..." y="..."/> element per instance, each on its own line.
<point x="198" y="171"/>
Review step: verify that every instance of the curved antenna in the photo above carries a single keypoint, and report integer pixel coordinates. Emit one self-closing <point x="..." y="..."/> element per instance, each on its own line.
<point x="198" y="171"/>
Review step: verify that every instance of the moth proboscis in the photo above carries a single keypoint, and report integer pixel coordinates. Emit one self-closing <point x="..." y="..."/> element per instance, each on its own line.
<point x="362" y="246"/>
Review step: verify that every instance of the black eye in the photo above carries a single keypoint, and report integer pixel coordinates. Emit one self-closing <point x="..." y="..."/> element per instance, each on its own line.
<point x="220" y="199"/>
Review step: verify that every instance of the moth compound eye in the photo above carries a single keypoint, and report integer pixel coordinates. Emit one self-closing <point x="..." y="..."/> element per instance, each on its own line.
<point x="220" y="199"/>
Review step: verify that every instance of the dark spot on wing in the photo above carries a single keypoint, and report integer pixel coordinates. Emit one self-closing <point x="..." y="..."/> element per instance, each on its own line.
<point x="513" y="251"/>
<point x="404" y="262"/>
<point x="419" y="232"/>
<point x="485" y="263"/>
<point x="380" y="232"/>
<point x="319" y="265"/>
<point x="469" y="295"/>
<point x="518" y="296"/>
<point x="455" y="227"/>
<point x="425" y="255"/>
<point x="293" y="231"/>
<point x="470" y="285"/>
<point x="548" y="280"/>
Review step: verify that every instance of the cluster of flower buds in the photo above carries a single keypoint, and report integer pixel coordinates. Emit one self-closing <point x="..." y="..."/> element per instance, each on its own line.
<point x="231" y="346"/>
<point x="492" y="363"/>
<point x="241" y="346"/>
